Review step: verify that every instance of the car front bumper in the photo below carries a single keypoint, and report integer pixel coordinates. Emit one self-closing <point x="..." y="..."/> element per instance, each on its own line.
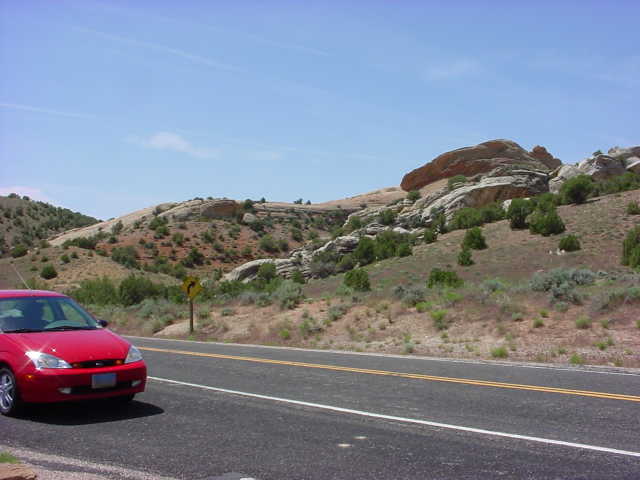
<point x="72" y="384"/>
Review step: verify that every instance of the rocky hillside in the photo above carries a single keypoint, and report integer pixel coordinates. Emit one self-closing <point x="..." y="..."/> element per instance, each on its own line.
<point x="490" y="173"/>
<point x="26" y="223"/>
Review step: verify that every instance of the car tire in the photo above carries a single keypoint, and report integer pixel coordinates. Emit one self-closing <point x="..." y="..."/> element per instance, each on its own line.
<point x="10" y="403"/>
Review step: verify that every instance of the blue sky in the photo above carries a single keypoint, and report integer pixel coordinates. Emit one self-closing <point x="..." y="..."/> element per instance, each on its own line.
<point x="111" y="106"/>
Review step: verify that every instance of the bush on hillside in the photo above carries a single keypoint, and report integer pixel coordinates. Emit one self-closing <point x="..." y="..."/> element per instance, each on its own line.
<point x="288" y="294"/>
<point x="413" y="195"/>
<point x="546" y="222"/>
<point x="404" y="250"/>
<point x="267" y="272"/>
<point x="474" y="239"/>
<point x="323" y="264"/>
<point x="577" y="189"/>
<point x="346" y="263"/>
<point x="631" y="249"/>
<point x="387" y="217"/>
<point x="365" y="252"/>
<point x="570" y="243"/>
<point x="126" y="256"/>
<point x="633" y="208"/>
<point x="99" y="291"/>
<point x="268" y="244"/>
<point x="517" y="213"/>
<point x="621" y="183"/>
<point x="357" y="279"/>
<point x="134" y="289"/>
<point x="464" y="257"/>
<point x="469" y="217"/>
<point x="456" y="181"/>
<point x="430" y="235"/>
<point x="48" y="272"/>
<point x="444" y="278"/>
<point x="297" y="277"/>
<point x="19" y="251"/>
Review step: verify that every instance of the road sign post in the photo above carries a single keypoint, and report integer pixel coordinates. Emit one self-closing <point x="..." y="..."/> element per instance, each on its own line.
<point x="191" y="287"/>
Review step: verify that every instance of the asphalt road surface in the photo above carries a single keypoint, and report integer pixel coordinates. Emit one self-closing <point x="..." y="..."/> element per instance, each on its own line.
<point x="229" y="411"/>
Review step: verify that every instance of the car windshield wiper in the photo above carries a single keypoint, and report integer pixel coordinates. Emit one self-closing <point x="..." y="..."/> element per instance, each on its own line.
<point x="67" y="327"/>
<point x="22" y="330"/>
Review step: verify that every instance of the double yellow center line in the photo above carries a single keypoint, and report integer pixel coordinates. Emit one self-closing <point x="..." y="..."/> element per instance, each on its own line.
<point x="415" y="376"/>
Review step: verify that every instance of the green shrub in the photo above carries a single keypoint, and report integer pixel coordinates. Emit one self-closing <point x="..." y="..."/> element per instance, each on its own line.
<point x="288" y="294"/>
<point x="631" y="249"/>
<point x="354" y="223"/>
<point x="99" y="291"/>
<point x="134" y="289"/>
<point x="365" y="252"/>
<point x="443" y="278"/>
<point x="561" y="282"/>
<point x="404" y="250"/>
<point x="517" y="213"/>
<point x="621" y="183"/>
<point x="267" y="272"/>
<point x="439" y="319"/>
<point x="126" y="256"/>
<point x="466" y="217"/>
<point x="65" y="258"/>
<point x="346" y="263"/>
<point x="546" y="222"/>
<point x="336" y="312"/>
<point x="499" y="352"/>
<point x="296" y="235"/>
<point x="297" y="277"/>
<point x="413" y="195"/>
<point x="387" y="217"/>
<point x="430" y="235"/>
<point x="633" y="208"/>
<point x="576" y="359"/>
<point x="577" y="189"/>
<point x="323" y="264"/>
<point x="456" y="181"/>
<point x="583" y="322"/>
<point x="284" y="333"/>
<point x="474" y="239"/>
<point x="422" y="307"/>
<point x="358" y="279"/>
<point x="570" y="243"/>
<point x="268" y="244"/>
<point x="538" y="322"/>
<point x="19" y="251"/>
<point x="48" y="272"/>
<point x="464" y="257"/>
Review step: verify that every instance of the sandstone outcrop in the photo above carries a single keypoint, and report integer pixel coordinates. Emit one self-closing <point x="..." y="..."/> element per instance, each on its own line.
<point x="471" y="161"/>
<point x="561" y="175"/>
<point x="602" y="167"/>
<point x="16" y="471"/>
<point x="517" y="184"/>
<point x="541" y="154"/>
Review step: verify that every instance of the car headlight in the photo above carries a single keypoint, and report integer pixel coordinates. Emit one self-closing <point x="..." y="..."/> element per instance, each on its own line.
<point x="134" y="355"/>
<point x="44" y="360"/>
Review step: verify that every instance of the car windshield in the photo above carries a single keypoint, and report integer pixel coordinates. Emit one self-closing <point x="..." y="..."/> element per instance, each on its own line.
<point x="40" y="314"/>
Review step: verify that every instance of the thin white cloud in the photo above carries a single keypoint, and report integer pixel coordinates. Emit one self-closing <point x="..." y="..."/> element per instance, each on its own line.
<point x="455" y="69"/>
<point x="193" y="58"/>
<point x="31" y="192"/>
<point x="132" y="12"/>
<point x="173" y="142"/>
<point x="61" y="113"/>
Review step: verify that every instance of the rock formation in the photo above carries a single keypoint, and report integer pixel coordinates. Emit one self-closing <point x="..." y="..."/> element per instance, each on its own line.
<point x="481" y="158"/>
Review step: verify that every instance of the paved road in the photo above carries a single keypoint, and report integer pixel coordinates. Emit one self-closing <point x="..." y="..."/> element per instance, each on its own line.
<point x="268" y="413"/>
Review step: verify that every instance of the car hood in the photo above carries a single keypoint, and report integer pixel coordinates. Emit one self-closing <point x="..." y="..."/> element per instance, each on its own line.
<point x="74" y="345"/>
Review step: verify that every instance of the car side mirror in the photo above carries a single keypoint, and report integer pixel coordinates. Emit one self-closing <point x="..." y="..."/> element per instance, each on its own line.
<point x="103" y="323"/>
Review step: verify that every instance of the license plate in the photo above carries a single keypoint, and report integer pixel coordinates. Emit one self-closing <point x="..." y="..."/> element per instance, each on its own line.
<point x="103" y="380"/>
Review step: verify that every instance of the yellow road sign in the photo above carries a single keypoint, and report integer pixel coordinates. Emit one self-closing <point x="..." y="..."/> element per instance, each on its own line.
<point x="191" y="286"/>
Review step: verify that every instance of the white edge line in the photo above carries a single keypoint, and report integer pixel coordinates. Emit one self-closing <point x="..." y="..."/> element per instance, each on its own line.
<point x="405" y="420"/>
<point x="490" y="363"/>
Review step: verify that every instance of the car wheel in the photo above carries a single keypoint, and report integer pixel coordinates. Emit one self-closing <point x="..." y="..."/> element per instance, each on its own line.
<point x="9" y="398"/>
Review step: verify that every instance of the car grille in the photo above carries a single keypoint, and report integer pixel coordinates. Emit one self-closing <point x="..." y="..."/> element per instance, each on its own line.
<point x="97" y="363"/>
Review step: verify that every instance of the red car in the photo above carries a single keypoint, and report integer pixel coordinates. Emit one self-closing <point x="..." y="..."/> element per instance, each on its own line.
<point x="52" y="350"/>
